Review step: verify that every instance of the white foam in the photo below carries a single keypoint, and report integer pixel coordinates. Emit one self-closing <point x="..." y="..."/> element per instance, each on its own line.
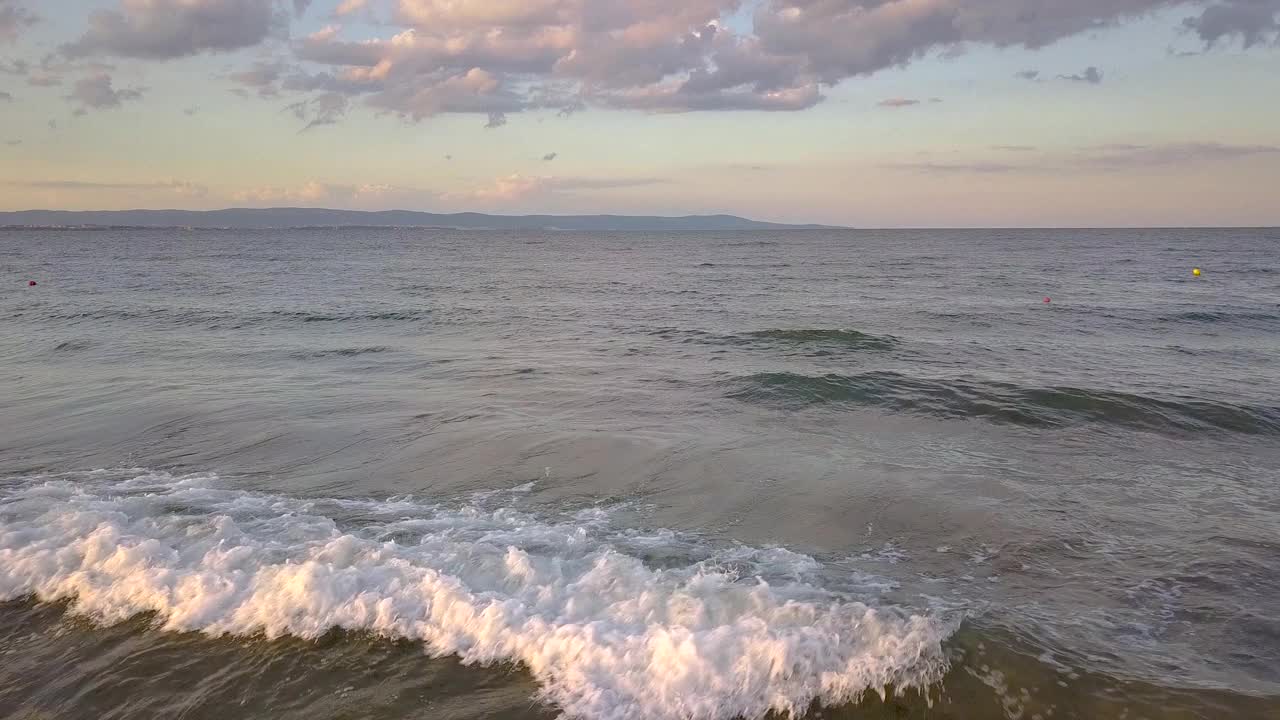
<point x="737" y="632"/>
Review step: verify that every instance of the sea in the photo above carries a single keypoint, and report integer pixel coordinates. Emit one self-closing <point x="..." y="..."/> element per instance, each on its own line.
<point x="423" y="473"/>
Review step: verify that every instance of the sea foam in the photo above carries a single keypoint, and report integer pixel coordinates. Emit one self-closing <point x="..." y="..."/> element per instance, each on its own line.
<point x="610" y="625"/>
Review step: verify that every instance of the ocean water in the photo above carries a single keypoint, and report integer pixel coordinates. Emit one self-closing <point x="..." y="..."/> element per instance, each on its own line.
<point x="379" y="473"/>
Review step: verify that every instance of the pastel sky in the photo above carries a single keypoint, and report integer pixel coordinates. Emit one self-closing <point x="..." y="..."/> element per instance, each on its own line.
<point x="873" y="113"/>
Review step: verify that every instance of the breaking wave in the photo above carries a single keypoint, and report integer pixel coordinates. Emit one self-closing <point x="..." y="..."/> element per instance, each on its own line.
<point x="612" y="623"/>
<point x="1005" y="402"/>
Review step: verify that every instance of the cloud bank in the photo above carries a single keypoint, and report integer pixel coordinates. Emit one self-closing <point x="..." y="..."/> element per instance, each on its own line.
<point x="495" y="58"/>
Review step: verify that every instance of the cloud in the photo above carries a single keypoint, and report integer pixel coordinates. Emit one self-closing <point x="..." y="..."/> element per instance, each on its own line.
<point x="193" y="110"/>
<point x="1099" y="158"/>
<point x="261" y="77"/>
<point x="1253" y="21"/>
<point x="166" y="29"/>
<point x="13" y="143"/>
<point x="181" y="188"/>
<point x="14" y="17"/>
<point x="897" y="102"/>
<point x="5" y="97"/>
<point x="549" y="157"/>
<point x="1091" y="75"/>
<point x="972" y="168"/>
<point x="1120" y="157"/>
<point x="326" y="109"/>
<point x="317" y="194"/>
<point x="495" y="58"/>
<point x="516" y="187"/>
<point x="44" y="79"/>
<point x="498" y="58"/>
<point x="97" y="92"/>
<point x="15" y="67"/>
<point x="349" y="7"/>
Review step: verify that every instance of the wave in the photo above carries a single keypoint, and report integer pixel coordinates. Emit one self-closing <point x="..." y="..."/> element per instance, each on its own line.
<point x="612" y="623"/>
<point x="1005" y="402"/>
<point x="852" y="339"/>
<point x="815" y="341"/>
<point x="72" y="346"/>
<point x="344" y="352"/>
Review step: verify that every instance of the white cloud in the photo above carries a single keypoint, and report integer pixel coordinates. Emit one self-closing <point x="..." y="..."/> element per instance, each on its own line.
<point x="515" y="188"/>
<point x="349" y="7"/>
<point x="321" y="194"/>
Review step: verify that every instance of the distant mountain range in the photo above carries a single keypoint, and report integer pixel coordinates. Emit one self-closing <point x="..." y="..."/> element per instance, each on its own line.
<point x="252" y="218"/>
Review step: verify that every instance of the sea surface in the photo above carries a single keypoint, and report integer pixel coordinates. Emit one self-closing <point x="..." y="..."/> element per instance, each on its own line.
<point x="392" y="473"/>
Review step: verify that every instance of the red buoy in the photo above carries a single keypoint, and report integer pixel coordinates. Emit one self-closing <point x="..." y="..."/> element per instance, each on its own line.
<point x="31" y="283"/>
<point x="1047" y="300"/>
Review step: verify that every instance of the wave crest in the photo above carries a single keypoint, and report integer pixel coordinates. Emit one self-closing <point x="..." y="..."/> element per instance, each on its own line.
<point x="737" y="633"/>
<point x="1005" y="402"/>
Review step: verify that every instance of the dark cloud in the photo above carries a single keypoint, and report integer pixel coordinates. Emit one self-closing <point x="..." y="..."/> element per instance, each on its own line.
<point x="1253" y="21"/>
<point x="326" y="109"/>
<point x="15" y="67"/>
<point x="898" y="102"/>
<point x="1090" y="75"/>
<point x="165" y="29"/>
<point x="549" y="157"/>
<point x="496" y="120"/>
<point x="14" y="17"/>
<point x="98" y="92"/>
<point x="1031" y="75"/>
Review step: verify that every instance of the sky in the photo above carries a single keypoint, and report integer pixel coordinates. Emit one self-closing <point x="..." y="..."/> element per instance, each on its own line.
<point x="868" y="113"/>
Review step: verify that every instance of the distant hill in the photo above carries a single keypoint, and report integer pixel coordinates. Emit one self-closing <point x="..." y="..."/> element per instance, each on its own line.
<point x="250" y="218"/>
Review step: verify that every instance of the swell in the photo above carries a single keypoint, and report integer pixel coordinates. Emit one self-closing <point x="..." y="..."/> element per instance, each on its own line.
<point x="703" y="633"/>
<point x="1005" y="402"/>
<point x="852" y="339"/>
<point x="342" y="352"/>
<point x="806" y="340"/>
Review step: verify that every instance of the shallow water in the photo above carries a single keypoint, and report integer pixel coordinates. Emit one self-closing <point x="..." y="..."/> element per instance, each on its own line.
<point x="421" y="473"/>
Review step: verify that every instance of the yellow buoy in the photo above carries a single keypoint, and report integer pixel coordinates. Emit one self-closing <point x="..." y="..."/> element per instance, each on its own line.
<point x="1196" y="272"/>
